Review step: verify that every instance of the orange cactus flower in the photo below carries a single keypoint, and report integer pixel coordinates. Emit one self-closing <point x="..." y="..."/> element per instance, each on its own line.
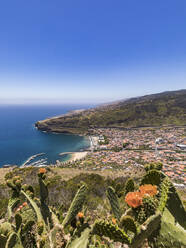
<point x="148" y="189"/>
<point x="42" y="170"/>
<point x="114" y="221"/>
<point x="25" y="204"/>
<point x="133" y="199"/>
<point x="80" y="215"/>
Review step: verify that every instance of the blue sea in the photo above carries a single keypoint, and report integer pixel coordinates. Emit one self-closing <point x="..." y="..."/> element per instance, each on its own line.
<point x="19" y="139"/>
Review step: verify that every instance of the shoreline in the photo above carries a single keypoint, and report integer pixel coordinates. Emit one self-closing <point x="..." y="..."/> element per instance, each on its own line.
<point x="82" y="154"/>
<point x="74" y="156"/>
<point x="77" y="156"/>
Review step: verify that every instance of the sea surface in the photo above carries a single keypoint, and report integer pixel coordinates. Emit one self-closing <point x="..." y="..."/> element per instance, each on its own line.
<point x="19" y="139"/>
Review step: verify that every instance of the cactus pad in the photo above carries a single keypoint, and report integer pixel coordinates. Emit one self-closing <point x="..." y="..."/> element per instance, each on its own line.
<point x="114" y="202"/>
<point x="103" y="228"/>
<point x="76" y="205"/>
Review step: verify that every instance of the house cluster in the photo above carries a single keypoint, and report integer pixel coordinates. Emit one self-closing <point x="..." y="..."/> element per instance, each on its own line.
<point x="141" y="146"/>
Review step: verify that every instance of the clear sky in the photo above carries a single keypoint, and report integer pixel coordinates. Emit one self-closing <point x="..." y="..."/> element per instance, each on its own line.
<point x="89" y="51"/>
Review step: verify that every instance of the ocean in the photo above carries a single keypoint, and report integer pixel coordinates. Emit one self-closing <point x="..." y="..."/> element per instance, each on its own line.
<point x="19" y="139"/>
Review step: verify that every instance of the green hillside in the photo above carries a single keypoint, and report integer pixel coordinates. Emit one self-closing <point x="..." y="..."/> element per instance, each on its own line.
<point x="167" y="108"/>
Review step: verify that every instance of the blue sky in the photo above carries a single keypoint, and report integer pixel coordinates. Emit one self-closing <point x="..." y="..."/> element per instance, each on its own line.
<point x="87" y="51"/>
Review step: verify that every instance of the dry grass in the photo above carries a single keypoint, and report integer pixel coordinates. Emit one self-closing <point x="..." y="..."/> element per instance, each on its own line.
<point x="3" y="172"/>
<point x="68" y="173"/>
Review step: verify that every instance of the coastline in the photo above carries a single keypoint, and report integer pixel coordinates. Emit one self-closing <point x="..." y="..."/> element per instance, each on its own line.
<point x="82" y="154"/>
<point x="74" y="156"/>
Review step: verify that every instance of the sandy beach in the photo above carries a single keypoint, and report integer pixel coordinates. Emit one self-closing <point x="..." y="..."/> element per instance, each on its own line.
<point x="77" y="156"/>
<point x="74" y="155"/>
<point x="80" y="155"/>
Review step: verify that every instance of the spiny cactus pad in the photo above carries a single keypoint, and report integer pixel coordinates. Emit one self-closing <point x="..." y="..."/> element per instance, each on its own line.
<point x="76" y="205"/>
<point x="148" y="227"/>
<point x="168" y="234"/>
<point x="82" y="241"/>
<point x="164" y="193"/>
<point x="128" y="224"/>
<point x="153" y="177"/>
<point x="129" y="186"/>
<point x="114" y="202"/>
<point x="104" y="228"/>
<point x="18" y="220"/>
<point x="175" y="206"/>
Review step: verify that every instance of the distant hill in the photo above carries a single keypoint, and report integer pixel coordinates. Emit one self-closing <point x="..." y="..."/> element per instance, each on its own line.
<point x="166" y="108"/>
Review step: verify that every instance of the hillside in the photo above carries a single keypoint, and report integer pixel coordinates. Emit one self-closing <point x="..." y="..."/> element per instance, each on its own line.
<point x="167" y="108"/>
<point x="38" y="208"/>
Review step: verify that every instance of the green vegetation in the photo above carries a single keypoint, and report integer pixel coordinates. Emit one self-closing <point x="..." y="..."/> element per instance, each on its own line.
<point x="114" y="202"/>
<point x="129" y="186"/>
<point x="153" y="166"/>
<point x="105" y="142"/>
<point x="126" y="144"/>
<point x="168" y="108"/>
<point x="117" y="149"/>
<point x="152" y="214"/>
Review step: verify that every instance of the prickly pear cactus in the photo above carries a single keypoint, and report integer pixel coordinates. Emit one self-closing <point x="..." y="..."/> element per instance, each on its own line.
<point x="147" y="220"/>
<point x="153" y="177"/>
<point x="151" y="224"/>
<point x="150" y="205"/>
<point x="45" y="210"/>
<point x="114" y="202"/>
<point x="76" y="205"/>
<point x="128" y="224"/>
<point x="129" y="186"/>
<point x="18" y="221"/>
<point x="164" y="193"/>
<point x="153" y="214"/>
<point x="80" y="241"/>
<point x="153" y="166"/>
<point x="175" y="206"/>
<point x="12" y="241"/>
<point x="104" y="228"/>
<point x="15" y="185"/>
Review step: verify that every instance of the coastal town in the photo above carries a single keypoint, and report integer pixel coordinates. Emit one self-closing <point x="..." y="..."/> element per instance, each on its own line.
<point x="127" y="151"/>
<point x="131" y="149"/>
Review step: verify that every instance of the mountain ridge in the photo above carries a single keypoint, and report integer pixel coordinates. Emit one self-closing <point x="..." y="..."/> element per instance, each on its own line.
<point x="165" y="108"/>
